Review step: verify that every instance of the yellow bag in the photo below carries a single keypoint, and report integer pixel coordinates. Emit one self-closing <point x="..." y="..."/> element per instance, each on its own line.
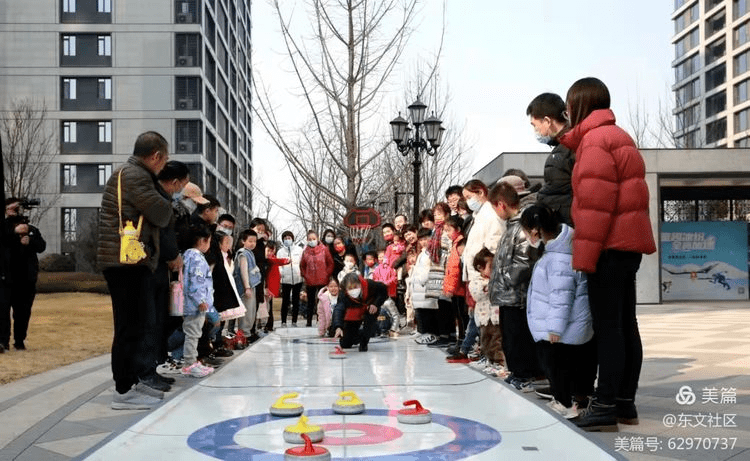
<point x="131" y="249"/>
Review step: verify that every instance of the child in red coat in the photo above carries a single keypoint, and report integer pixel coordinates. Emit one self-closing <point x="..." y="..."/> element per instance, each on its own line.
<point x="273" y="278"/>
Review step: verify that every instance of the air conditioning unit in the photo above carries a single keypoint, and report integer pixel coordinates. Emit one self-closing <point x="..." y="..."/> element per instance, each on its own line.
<point x="184" y="18"/>
<point x="185" y="61"/>
<point x="185" y="104"/>
<point x="184" y="147"/>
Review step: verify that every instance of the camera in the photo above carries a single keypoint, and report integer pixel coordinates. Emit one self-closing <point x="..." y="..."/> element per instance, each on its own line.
<point x="29" y="203"/>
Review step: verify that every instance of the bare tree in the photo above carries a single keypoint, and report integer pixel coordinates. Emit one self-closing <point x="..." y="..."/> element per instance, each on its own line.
<point x="342" y="72"/>
<point x="29" y="145"/>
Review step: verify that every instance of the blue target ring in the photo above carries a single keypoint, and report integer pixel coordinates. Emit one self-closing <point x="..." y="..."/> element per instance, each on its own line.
<point x="217" y="440"/>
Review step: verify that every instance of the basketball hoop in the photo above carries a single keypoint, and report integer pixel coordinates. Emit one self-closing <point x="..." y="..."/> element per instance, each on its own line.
<point x="360" y="221"/>
<point x="359" y="233"/>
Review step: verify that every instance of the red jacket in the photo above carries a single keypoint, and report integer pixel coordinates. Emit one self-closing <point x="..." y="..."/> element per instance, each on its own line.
<point x="384" y="273"/>
<point x="610" y="194"/>
<point x="452" y="283"/>
<point x="316" y="265"/>
<point x="273" y="279"/>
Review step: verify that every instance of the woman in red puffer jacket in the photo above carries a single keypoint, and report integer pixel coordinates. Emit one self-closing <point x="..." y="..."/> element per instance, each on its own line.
<point x="613" y="231"/>
<point x="316" y="266"/>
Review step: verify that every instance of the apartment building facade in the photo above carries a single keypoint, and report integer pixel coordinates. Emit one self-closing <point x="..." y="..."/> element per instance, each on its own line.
<point x="107" y="70"/>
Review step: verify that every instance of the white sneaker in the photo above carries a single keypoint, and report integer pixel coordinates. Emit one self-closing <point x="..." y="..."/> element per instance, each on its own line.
<point x="197" y="370"/>
<point x="133" y="400"/>
<point x="427" y="338"/>
<point x="559" y="408"/>
<point x="480" y="364"/>
<point x="169" y="368"/>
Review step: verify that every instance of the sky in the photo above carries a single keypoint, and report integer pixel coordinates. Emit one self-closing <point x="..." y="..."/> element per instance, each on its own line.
<point x="497" y="56"/>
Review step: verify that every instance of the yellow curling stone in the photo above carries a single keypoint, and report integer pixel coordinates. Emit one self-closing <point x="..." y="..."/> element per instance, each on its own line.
<point x="293" y="433"/>
<point x="283" y="408"/>
<point x="348" y="404"/>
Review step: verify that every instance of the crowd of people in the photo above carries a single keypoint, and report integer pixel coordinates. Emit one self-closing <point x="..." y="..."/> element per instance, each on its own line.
<point x="531" y="284"/>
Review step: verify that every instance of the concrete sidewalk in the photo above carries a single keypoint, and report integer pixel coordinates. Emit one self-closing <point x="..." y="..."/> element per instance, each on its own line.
<point x="64" y="414"/>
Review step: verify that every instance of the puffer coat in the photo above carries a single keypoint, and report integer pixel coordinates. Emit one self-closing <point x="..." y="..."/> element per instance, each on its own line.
<point x="557" y="193"/>
<point x="512" y="266"/>
<point x="558" y="298"/>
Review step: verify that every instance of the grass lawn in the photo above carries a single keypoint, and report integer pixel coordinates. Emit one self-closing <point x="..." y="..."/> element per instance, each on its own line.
<point x="64" y="328"/>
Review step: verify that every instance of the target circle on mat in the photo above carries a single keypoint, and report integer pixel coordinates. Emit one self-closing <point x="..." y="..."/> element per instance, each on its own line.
<point x="217" y="440"/>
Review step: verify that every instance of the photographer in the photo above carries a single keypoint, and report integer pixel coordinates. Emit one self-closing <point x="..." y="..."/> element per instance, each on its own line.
<point x="24" y="243"/>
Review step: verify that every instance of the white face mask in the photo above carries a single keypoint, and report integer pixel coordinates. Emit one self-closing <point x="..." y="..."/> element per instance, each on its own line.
<point x="354" y="292"/>
<point x="288" y="242"/>
<point x="349" y="265"/>
<point x="312" y="243"/>
<point x="329" y="240"/>
<point x="474" y="204"/>
<point x="534" y="244"/>
<point x="224" y="230"/>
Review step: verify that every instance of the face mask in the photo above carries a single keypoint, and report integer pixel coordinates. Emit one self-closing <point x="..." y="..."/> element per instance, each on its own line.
<point x="288" y="242"/>
<point x="370" y="263"/>
<point x="349" y="265"/>
<point x="354" y="292"/>
<point x="224" y="230"/>
<point x="534" y="244"/>
<point x="177" y="196"/>
<point x="189" y="204"/>
<point x="312" y="243"/>
<point x="543" y="139"/>
<point x="474" y="204"/>
<point x="329" y="240"/>
<point x="388" y="238"/>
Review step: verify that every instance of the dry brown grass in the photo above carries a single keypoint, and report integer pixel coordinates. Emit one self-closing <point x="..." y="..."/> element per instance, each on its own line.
<point x="65" y="328"/>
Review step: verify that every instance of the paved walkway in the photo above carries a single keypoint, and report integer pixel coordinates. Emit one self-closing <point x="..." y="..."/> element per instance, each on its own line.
<point x="64" y="414"/>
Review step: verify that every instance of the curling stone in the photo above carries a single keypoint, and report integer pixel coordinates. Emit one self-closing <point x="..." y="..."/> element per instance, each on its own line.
<point x="283" y="408"/>
<point x="308" y="452"/>
<point x="348" y="404"/>
<point x="293" y="433"/>
<point x="337" y="353"/>
<point x="417" y="415"/>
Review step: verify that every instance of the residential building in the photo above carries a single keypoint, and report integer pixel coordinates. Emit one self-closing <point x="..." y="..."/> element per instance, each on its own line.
<point x="107" y="70"/>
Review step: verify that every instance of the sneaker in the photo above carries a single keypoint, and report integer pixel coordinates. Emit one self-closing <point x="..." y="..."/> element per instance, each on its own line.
<point x="501" y="372"/>
<point x="169" y="368"/>
<point x="562" y="410"/>
<point x="416" y="333"/>
<point x="197" y="370"/>
<point x="480" y="364"/>
<point x="458" y="357"/>
<point x="454" y="349"/>
<point x="294" y="324"/>
<point x="223" y="352"/>
<point x="283" y="324"/>
<point x="133" y="400"/>
<point x="597" y="417"/>
<point x="426" y="339"/>
<point x="143" y="389"/>
<point x="544" y="392"/>
<point x="522" y="384"/>
<point x="442" y="342"/>
<point x="626" y="412"/>
<point x="152" y="380"/>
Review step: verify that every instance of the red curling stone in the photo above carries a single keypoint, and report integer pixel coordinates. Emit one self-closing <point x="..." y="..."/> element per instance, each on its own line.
<point x="416" y="415"/>
<point x="337" y="353"/>
<point x="308" y="452"/>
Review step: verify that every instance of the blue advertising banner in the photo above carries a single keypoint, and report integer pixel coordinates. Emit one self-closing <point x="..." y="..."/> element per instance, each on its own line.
<point x="704" y="261"/>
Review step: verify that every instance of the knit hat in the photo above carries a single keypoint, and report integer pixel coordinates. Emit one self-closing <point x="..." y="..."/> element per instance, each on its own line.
<point x="517" y="183"/>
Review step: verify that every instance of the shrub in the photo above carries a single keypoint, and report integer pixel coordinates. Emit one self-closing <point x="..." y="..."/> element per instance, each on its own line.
<point x="57" y="263"/>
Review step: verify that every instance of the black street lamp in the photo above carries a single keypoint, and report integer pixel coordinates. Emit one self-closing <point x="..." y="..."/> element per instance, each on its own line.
<point x="407" y="143"/>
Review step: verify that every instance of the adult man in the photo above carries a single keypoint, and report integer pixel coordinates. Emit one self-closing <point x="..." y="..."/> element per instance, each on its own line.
<point x="225" y="224"/>
<point x="452" y="195"/>
<point x="132" y="286"/>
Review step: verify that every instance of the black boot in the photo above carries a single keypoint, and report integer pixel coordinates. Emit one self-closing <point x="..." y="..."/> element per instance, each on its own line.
<point x="626" y="412"/>
<point x="598" y="416"/>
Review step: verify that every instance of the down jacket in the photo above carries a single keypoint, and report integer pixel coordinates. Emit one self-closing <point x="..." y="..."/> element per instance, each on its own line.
<point x="140" y="196"/>
<point x="557" y="193"/>
<point x="610" y="194"/>
<point x="558" y="299"/>
<point x="486" y="230"/>
<point x="290" y="273"/>
<point x="419" y="275"/>
<point x="354" y="310"/>
<point x="512" y="266"/>
<point x="316" y="265"/>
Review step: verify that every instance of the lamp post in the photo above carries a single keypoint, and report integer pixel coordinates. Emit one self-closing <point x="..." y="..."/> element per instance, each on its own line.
<point x="407" y="143"/>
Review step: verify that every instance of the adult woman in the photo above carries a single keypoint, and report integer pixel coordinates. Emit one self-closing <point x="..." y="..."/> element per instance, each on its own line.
<point x="361" y="303"/>
<point x="316" y="266"/>
<point x="613" y="231"/>
<point x="486" y="228"/>
<point x="291" y="277"/>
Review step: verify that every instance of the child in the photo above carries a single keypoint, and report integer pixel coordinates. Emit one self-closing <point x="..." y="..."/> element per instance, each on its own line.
<point x="439" y="248"/>
<point x="329" y="297"/>
<point x="395" y="244"/>
<point x="511" y="273"/>
<point x="371" y="264"/>
<point x="350" y="266"/>
<point x="453" y="286"/>
<point x="226" y="297"/>
<point x="558" y="310"/>
<point x="360" y="304"/>
<point x="385" y="274"/>
<point x="487" y="316"/>
<point x="425" y="308"/>
<point x="199" y="299"/>
<point x="247" y="276"/>
<point x="273" y="277"/>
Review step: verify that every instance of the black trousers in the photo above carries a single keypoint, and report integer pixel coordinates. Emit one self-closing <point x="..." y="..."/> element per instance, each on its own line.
<point x="518" y="345"/>
<point x="312" y="302"/>
<point x="162" y="326"/>
<point x="427" y="321"/>
<point x="618" y="341"/>
<point x="290" y="295"/>
<point x="19" y="297"/>
<point x="461" y="314"/>
<point x="568" y="368"/>
<point x="351" y="331"/>
<point x="446" y="318"/>
<point x="134" y="312"/>
<point x="4" y="313"/>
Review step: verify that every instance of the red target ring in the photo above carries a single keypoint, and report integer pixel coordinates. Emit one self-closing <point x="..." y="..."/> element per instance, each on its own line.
<point x="369" y="434"/>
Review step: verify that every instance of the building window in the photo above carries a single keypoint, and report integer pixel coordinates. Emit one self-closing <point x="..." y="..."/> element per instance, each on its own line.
<point x="105" y="131"/>
<point x="70" y="175"/>
<point x="104" y="45"/>
<point x="687" y="92"/>
<point x="688" y="17"/>
<point x="104" y="6"/>
<point x="741" y="34"/>
<point x="688" y="117"/>
<point x="742" y="142"/>
<point x="716" y="131"/>
<point x="741" y="92"/>
<point x="70" y="132"/>
<point x="688" y="67"/>
<point x="105" y="171"/>
<point x="69" y="45"/>
<point x="686" y="43"/>
<point x="188" y="49"/>
<point x="69" y="6"/>
<point x="741" y="63"/>
<point x="105" y="88"/>
<point x="716" y="77"/>
<point x="69" y="88"/>
<point x="715" y="23"/>
<point x="739" y="7"/>
<point x="716" y="104"/>
<point x="742" y="121"/>
<point x="69" y="224"/>
<point x="715" y="51"/>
